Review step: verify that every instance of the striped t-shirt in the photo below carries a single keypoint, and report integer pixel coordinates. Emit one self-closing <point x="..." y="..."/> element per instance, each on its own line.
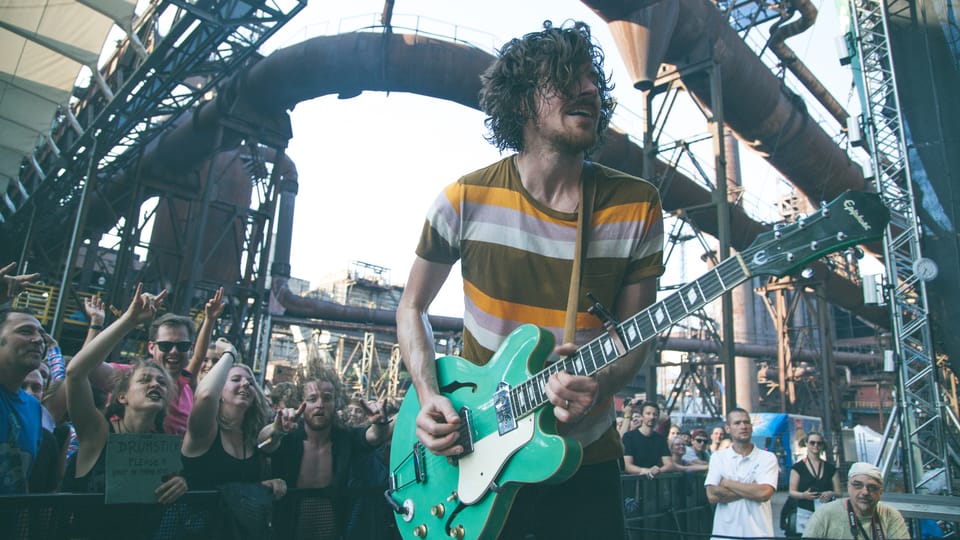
<point x="517" y="254"/>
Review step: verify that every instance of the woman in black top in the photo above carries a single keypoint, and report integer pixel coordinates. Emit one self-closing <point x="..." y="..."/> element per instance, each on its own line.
<point x="220" y="446"/>
<point x="137" y="405"/>
<point x="812" y="478"/>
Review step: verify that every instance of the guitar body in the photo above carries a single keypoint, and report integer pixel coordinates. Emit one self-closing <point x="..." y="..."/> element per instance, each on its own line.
<point x="477" y="490"/>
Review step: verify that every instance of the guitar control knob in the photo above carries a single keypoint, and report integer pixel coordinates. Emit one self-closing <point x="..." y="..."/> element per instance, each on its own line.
<point x="437" y="510"/>
<point x="420" y="531"/>
<point x="457" y="532"/>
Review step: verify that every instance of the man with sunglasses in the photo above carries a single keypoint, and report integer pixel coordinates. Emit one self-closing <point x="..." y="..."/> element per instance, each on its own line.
<point x="697" y="452"/>
<point x="171" y="345"/>
<point x="861" y="516"/>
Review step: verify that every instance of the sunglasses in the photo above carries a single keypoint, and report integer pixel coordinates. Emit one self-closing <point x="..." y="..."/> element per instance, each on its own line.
<point x="700" y="440"/>
<point x="167" y="346"/>
<point x="814" y="443"/>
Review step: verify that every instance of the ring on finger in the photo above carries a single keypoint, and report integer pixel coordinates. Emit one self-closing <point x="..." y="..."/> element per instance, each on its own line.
<point x="568" y="404"/>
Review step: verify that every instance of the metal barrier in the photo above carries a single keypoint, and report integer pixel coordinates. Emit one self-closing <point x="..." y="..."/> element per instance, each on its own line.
<point x="661" y="507"/>
<point x="303" y="513"/>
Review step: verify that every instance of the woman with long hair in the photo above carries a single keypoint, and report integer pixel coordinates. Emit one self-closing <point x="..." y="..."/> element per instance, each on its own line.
<point x="229" y="410"/>
<point x="813" y="480"/>
<point x="137" y="405"/>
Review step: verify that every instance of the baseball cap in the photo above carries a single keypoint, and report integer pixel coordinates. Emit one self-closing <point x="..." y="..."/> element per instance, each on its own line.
<point x="866" y="469"/>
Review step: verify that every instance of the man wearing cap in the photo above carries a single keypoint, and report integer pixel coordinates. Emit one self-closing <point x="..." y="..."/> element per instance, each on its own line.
<point x="697" y="452"/>
<point x="861" y="516"/>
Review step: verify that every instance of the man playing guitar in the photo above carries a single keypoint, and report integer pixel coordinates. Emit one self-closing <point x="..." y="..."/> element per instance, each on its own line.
<point x="513" y="226"/>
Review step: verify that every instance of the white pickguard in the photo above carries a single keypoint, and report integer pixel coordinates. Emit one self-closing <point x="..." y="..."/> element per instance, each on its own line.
<point x="488" y="458"/>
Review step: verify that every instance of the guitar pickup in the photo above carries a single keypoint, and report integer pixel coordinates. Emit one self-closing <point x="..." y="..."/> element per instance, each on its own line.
<point x="503" y="405"/>
<point x="465" y="431"/>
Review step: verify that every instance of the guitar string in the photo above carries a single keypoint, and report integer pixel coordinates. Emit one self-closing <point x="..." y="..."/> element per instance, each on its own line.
<point x="727" y="275"/>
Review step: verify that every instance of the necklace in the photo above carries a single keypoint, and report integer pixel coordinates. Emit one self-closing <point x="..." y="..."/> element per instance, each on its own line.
<point x="818" y="472"/>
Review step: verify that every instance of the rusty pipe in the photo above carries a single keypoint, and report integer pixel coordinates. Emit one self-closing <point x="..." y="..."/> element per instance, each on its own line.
<point x="789" y="59"/>
<point x="762" y="113"/>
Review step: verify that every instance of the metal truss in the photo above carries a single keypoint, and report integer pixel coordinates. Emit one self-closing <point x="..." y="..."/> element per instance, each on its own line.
<point x="141" y="92"/>
<point x="920" y="423"/>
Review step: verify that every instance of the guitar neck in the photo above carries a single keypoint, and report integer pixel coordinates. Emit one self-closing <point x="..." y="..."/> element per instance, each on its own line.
<point x="602" y="352"/>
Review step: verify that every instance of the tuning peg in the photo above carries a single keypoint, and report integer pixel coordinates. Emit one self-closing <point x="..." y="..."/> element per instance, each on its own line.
<point x="853" y="255"/>
<point x="824" y="209"/>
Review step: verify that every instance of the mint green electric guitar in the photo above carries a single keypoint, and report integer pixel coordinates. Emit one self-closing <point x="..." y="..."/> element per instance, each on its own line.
<point x="507" y="424"/>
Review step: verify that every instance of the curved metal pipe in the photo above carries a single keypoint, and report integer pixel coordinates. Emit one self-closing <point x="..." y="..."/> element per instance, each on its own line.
<point x="778" y="36"/>
<point x="763" y="114"/>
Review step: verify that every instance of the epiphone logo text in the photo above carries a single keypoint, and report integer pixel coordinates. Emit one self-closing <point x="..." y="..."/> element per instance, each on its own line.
<point x="851" y="208"/>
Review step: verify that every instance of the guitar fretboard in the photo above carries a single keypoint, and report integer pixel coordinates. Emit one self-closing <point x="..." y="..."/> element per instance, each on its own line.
<point x="638" y="329"/>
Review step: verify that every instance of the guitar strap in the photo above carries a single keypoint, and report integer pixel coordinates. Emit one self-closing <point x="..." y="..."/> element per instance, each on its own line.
<point x="587" y="191"/>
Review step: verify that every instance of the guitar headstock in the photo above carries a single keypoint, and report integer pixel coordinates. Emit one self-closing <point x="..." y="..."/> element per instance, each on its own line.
<point x="852" y="218"/>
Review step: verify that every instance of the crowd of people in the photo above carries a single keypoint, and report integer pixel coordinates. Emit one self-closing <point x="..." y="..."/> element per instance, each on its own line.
<point x="58" y="413"/>
<point x="521" y="230"/>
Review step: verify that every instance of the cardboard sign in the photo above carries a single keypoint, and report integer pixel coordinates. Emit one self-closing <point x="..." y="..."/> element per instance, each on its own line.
<point x="137" y="463"/>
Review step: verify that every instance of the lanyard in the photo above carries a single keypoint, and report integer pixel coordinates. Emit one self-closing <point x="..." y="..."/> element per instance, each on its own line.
<point x="857" y="528"/>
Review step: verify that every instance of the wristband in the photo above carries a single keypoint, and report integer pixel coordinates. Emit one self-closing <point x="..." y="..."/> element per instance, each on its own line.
<point x="96" y="327"/>
<point x="231" y="353"/>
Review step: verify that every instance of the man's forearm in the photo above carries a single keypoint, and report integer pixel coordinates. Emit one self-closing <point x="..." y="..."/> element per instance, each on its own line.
<point x="415" y="337"/>
<point x="754" y="492"/>
<point x="720" y="494"/>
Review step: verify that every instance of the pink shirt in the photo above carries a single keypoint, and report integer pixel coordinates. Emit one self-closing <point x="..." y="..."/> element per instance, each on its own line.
<point x="178" y="411"/>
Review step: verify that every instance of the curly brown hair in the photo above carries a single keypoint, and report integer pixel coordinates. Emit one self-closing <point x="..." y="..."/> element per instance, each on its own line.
<point x="551" y="58"/>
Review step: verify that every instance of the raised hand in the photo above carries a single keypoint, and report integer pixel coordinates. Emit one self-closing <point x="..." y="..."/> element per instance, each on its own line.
<point x="95" y="309"/>
<point x="224" y="346"/>
<point x="286" y="419"/>
<point x="10" y="286"/>
<point x="214" y="307"/>
<point x="376" y="411"/>
<point x="144" y="306"/>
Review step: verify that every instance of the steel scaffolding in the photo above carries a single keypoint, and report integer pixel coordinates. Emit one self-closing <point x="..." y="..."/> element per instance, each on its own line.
<point x="919" y="427"/>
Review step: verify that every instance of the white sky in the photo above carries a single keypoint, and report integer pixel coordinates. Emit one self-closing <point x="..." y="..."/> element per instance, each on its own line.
<point x="371" y="165"/>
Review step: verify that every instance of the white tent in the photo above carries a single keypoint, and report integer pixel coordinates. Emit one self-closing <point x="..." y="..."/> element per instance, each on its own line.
<point x="43" y="46"/>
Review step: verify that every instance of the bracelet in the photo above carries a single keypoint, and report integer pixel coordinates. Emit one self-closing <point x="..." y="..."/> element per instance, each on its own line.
<point x="95" y="327"/>
<point x="385" y="422"/>
<point x="231" y="353"/>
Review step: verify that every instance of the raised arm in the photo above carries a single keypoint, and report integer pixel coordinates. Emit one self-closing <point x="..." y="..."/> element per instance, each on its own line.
<point x="89" y="423"/>
<point x="211" y="312"/>
<point x="95" y="310"/>
<point x="10" y="286"/>
<point x="202" y="424"/>
<point x="437" y="420"/>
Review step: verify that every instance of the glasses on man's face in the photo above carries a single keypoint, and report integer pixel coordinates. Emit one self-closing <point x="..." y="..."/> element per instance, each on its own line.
<point x="872" y="488"/>
<point x="167" y="346"/>
<point x="814" y="443"/>
<point x="701" y="441"/>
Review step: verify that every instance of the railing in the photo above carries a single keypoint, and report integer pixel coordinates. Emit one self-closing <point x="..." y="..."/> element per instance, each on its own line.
<point x="668" y="507"/>
<point x="206" y="515"/>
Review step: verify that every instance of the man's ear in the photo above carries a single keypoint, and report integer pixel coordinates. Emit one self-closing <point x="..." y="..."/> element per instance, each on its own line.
<point x="122" y="398"/>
